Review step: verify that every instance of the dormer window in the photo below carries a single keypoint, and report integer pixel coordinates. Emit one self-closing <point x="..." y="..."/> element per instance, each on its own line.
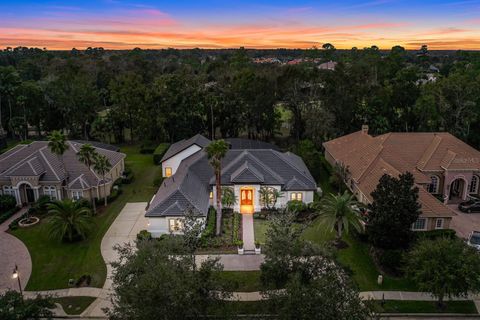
<point x="168" y="172"/>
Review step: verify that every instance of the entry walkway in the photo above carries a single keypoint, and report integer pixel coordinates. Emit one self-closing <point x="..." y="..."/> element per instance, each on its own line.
<point x="13" y="252"/>
<point x="248" y="232"/>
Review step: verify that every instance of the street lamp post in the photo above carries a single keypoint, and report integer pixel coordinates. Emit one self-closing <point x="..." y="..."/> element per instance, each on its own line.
<point x="16" y="275"/>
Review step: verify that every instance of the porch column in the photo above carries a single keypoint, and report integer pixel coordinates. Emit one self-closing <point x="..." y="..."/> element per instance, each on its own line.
<point x="36" y="193"/>
<point x="17" y="196"/>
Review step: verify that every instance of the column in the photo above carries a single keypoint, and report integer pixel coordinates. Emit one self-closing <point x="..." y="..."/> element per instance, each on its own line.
<point x="17" y="196"/>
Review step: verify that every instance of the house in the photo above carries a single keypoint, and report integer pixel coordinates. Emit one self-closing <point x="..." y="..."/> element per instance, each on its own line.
<point x="248" y="166"/>
<point x="29" y="171"/>
<point x="329" y="65"/>
<point x="446" y="170"/>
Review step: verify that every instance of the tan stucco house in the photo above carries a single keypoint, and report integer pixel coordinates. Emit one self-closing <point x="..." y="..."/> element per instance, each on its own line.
<point x="29" y="171"/>
<point x="446" y="169"/>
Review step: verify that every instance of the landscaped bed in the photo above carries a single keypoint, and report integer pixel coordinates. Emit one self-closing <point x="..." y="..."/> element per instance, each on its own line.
<point x="397" y="306"/>
<point x="74" y="305"/>
<point x="54" y="263"/>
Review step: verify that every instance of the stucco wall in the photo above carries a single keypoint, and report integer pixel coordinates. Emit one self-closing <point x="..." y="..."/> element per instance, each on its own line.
<point x="175" y="161"/>
<point x="159" y="226"/>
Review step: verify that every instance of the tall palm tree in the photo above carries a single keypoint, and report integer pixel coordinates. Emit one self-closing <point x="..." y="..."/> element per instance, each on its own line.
<point x="102" y="165"/>
<point x="87" y="155"/>
<point x="216" y="151"/>
<point x="57" y="143"/>
<point x="339" y="212"/>
<point x="69" y="220"/>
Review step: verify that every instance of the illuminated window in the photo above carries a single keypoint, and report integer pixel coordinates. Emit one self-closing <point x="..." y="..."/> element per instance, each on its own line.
<point x="296" y="196"/>
<point x="175" y="225"/>
<point x="168" y="172"/>
<point x="211" y="194"/>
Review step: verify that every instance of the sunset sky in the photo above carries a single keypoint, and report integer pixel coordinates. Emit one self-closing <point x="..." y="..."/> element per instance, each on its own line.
<point x="117" y="24"/>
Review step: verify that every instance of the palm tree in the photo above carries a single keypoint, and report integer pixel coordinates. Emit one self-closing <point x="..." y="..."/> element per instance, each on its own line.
<point x="102" y="166"/>
<point x="57" y="143"/>
<point x="269" y="196"/>
<point x="339" y="212"/>
<point x="216" y="151"/>
<point x="87" y="155"/>
<point x="69" y="220"/>
<point x="228" y="197"/>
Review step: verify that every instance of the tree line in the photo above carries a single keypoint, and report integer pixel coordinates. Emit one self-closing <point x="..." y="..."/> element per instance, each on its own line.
<point x="167" y="95"/>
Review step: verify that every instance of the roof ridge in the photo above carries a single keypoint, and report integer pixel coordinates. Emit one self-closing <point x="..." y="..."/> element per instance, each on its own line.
<point x="23" y="146"/>
<point x="48" y="163"/>
<point x="277" y="153"/>
<point x="427" y="155"/>
<point x="31" y="166"/>
<point x="251" y="169"/>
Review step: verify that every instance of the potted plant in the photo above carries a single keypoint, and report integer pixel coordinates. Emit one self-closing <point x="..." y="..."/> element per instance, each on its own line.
<point x="258" y="249"/>
<point x="239" y="244"/>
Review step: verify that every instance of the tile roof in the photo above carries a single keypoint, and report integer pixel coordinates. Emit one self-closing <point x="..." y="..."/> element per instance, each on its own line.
<point x="181" y="145"/>
<point x="36" y="159"/>
<point x="368" y="158"/>
<point x="191" y="184"/>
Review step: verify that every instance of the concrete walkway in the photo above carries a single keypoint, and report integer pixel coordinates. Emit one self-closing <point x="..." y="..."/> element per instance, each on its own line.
<point x="248" y="232"/>
<point x="235" y="262"/>
<point x="13" y="251"/>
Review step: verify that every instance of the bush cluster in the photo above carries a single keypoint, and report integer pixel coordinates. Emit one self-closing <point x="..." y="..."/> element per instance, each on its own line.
<point x="7" y="202"/>
<point x="159" y="152"/>
<point x="236" y="238"/>
<point x="127" y="175"/>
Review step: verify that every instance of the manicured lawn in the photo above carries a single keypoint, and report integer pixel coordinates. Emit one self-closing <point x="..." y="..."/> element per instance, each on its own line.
<point x="260" y="227"/>
<point x="74" y="305"/>
<point x="243" y="281"/>
<point x="395" y="306"/>
<point x="357" y="260"/>
<point x="54" y="263"/>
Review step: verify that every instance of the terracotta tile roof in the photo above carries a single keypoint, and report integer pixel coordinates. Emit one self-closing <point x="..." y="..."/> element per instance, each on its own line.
<point x="368" y="158"/>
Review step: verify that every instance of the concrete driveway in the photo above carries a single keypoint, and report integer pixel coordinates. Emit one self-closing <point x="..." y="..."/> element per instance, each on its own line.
<point x="464" y="223"/>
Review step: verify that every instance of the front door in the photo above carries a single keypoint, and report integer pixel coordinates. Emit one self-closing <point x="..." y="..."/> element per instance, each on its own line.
<point x="30" y="194"/>
<point x="246" y="201"/>
<point x="247" y="197"/>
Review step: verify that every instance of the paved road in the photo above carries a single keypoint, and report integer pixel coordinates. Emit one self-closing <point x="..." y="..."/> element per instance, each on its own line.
<point x="464" y="223"/>
<point x="13" y="251"/>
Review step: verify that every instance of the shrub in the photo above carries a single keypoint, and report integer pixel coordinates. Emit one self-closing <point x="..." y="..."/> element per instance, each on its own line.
<point x="144" y="235"/>
<point x="236" y="227"/>
<point x="83" y="281"/>
<point x="6" y="215"/>
<point x="41" y="206"/>
<point x="7" y="202"/>
<point x="114" y="194"/>
<point x="435" y="234"/>
<point x="296" y="206"/>
<point x="390" y="260"/>
<point x="147" y="147"/>
<point x="211" y="223"/>
<point x="127" y="175"/>
<point x="159" y="152"/>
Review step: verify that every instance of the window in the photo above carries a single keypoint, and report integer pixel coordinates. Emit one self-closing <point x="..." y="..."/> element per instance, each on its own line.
<point x="77" y="195"/>
<point x="296" y="196"/>
<point x="8" y="190"/>
<point x="175" y="225"/>
<point x="474" y="185"/>
<point x="433" y="186"/>
<point x="439" y="223"/>
<point x="50" y="191"/>
<point x="420" y="224"/>
<point x="168" y="172"/>
<point x="211" y="195"/>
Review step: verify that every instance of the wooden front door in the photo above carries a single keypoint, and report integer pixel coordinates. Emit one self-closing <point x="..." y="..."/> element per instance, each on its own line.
<point x="246" y="197"/>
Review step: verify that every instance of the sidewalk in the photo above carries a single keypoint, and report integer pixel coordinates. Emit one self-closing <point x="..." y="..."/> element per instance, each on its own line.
<point x="248" y="232"/>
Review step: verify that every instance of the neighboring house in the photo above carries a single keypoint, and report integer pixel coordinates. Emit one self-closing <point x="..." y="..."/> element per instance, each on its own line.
<point x="329" y="65"/>
<point x="29" y="171"/>
<point x="249" y="165"/>
<point x="446" y="169"/>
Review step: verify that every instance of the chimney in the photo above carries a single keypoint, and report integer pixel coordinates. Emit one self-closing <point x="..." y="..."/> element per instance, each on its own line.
<point x="365" y="129"/>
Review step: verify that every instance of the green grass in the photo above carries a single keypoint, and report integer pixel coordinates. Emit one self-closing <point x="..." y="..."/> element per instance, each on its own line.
<point x="357" y="260"/>
<point x="396" y="306"/>
<point x="242" y="281"/>
<point x="74" y="305"/>
<point x="54" y="263"/>
<point x="260" y="227"/>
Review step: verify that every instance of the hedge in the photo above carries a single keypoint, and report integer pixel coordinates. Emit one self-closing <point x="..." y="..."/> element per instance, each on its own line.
<point x="160" y="151"/>
<point x="7" y="202"/>
<point x="237" y="238"/>
<point x="435" y="234"/>
<point x="5" y="216"/>
<point x="211" y="223"/>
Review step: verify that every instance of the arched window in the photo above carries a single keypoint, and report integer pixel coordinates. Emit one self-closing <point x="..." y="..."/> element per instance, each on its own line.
<point x="433" y="186"/>
<point x="474" y="185"/>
